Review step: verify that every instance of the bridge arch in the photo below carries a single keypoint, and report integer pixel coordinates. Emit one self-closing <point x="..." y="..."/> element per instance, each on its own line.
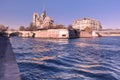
<point x="15" y="34"/>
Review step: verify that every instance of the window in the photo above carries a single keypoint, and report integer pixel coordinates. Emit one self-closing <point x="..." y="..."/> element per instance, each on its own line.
<point x="64" y="35"/>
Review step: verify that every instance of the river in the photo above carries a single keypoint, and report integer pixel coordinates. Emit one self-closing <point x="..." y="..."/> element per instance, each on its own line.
<point x="63" y="59"/>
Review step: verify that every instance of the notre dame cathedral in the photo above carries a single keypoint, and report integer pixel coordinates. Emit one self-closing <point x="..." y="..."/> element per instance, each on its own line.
<point x="42" y="21"/>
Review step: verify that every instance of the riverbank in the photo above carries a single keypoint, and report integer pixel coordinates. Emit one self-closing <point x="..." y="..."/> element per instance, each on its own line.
<point x="8" y="66"/>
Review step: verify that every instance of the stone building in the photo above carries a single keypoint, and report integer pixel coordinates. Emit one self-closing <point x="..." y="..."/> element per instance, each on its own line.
<point x="87" y="24"/>
<point x="42" y="21"/>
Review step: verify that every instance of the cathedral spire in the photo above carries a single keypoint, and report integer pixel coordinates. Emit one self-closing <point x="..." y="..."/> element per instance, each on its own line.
<point x="44" y="7"/>
<point x="44" y="10"/>
<point x="43" y="15"/>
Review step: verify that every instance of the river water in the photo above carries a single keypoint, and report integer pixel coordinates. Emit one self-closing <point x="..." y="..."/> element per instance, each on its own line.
<point x="63" y="59"/>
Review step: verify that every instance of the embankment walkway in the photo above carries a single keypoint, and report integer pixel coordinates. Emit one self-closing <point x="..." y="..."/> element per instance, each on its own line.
<point x="8" y="66"/>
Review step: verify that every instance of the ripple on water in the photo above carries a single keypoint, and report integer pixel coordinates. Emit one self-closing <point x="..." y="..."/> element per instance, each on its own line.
<point x="75" y="59"/>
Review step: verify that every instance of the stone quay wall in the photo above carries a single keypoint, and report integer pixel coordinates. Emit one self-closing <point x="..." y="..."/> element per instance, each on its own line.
<point x="106" y="33"/>
<point x="50" y="33"/>
<point x="61" y="33"/>
<point x="8" y="66"/>
<point x="109" y="34"/>
<point x="85" y="34"/>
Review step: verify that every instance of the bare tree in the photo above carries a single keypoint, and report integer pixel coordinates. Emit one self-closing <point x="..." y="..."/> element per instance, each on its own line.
<point x="31" y="27"/>
<point x="70" y="27"/>
<point x="22" y="28"/>
<point x="60" y="26"/>
<point x="3" y="28"/>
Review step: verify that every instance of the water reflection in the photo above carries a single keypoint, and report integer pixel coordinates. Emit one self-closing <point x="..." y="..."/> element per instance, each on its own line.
<point x="86" y="45"/>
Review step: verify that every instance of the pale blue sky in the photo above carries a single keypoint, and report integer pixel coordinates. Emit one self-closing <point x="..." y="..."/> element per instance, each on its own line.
<point x="19" y="12"/>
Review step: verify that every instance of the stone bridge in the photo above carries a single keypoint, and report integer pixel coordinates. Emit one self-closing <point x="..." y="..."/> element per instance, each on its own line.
<point x="21" y="33"/>
<point x="107" y="33"/>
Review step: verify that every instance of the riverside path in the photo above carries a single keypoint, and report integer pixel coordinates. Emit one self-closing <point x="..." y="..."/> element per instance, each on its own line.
<point x="8" y="66"/>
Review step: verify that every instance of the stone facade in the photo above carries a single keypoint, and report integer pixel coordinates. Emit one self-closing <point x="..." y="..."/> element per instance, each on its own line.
<point x="49" y="33"/>
<point x="86" y="23"/>
<point x="53" y="33"/>
<point x="42" y="21"/>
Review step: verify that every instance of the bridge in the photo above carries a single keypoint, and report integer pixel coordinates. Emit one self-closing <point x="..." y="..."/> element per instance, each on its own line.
<point x="108" y="32"/>
<point x="20" y="33"/>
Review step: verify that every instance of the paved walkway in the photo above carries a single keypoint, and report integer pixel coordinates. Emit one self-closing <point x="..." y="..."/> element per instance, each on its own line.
<point x="8" y="66"/>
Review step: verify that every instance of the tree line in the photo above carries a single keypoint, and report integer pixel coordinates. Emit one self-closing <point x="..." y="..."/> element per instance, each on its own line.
<point x="34" y="28"/>
<point x="31" y="27"/>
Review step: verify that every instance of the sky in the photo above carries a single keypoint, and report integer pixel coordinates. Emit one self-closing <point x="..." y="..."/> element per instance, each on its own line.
<point x="16" y="13"/>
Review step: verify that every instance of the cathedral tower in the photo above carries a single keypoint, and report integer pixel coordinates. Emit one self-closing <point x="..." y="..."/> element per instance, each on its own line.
<point x="42" y="21"/>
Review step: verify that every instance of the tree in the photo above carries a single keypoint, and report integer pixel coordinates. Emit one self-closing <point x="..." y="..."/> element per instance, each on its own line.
<point x="3" y="28"/>
<point x="32" y="27"/>
<point x="22" y="28"/>
<point x="60" y="26"/>
<point x="70" y="27"/>
<point x="27" y="29"/>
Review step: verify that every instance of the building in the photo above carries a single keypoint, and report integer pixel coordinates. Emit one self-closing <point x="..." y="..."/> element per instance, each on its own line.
<point x="42" y="21"/>
<point x="87" y="24"/>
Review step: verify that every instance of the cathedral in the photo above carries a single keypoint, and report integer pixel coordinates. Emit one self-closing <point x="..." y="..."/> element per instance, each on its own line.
<point x="42" y="21"/>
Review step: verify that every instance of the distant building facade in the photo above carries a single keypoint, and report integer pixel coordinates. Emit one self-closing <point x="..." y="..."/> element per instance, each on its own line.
<point x="42" y="21"/>
<point x="87" y="23"/>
